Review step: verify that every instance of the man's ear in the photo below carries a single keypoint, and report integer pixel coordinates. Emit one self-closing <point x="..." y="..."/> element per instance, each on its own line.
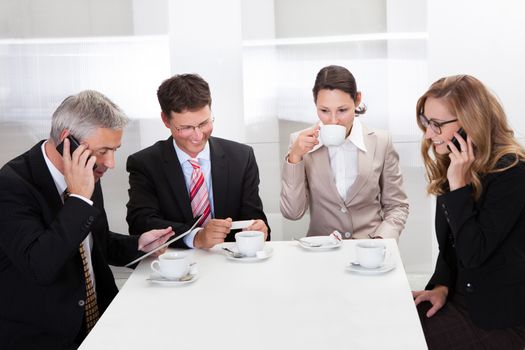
<point x="165" y="119"/>
<point x="63" y="134"/>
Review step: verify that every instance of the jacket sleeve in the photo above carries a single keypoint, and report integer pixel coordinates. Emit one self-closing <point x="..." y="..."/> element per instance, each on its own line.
<point x="444" y="275"/>
<point x="394" y="201"/>
<point x="144" y="212"/>
<point x="294" y="190"/>
<point x="294" y="187"/>
<point x="251" y="203"/>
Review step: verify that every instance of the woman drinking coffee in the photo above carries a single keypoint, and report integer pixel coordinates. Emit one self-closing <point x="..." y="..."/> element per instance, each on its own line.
<point x="345" y="173"/>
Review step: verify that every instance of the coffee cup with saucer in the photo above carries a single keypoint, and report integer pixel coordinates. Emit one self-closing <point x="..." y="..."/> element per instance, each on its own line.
<point x="172" y="266"/>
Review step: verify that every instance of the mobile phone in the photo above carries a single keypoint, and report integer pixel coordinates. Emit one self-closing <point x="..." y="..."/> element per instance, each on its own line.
<point x="455" y="141"/>
<point x="73" y="145"/>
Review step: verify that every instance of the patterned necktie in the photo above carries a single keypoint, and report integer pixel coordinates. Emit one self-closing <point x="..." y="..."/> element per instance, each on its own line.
<point x="90" y="305"/>
<point x="200" y="203"/>
<point x="91" y="308"/>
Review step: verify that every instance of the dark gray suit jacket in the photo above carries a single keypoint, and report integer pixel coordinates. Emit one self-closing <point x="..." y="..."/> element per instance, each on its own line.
<point x="158" y="196"/>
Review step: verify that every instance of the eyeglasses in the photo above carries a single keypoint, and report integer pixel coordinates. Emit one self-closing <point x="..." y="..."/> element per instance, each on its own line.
<point x="188" y="129"/>
<point x="434" y="125"/>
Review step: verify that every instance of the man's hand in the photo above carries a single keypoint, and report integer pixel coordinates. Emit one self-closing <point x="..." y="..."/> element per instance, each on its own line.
<point x="150" y="240"/>
<point x="78" y="170"/>
<point x="214" y="233"/>
<point x="258" y="225"/>
<point x="437" y="297"/>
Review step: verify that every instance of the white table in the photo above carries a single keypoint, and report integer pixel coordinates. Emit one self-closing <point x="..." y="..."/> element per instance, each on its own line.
<point x="296" y="299"/>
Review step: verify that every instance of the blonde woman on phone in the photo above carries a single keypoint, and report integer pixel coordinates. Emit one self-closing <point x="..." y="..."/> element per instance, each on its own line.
<point x="475" y="298"/>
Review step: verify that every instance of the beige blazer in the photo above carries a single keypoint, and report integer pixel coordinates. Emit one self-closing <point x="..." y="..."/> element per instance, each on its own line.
<point x="375" y="205"/>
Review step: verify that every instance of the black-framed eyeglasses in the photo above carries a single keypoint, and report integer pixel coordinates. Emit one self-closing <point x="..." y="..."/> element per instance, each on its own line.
<point x="188" y="129"/>
<point x="434" y="125"/>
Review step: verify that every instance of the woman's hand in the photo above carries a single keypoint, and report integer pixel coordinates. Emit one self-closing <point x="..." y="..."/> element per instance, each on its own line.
<point x="304" y="143"/>
<point x="460" y="162"/>
<point x="437" y="297"/>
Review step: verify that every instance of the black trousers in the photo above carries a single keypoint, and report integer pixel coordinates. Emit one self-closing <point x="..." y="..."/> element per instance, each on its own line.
<point x="452" y="329"/>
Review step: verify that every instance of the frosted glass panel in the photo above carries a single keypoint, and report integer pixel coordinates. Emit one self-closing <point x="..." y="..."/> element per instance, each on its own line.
<point x="36" y="75"/>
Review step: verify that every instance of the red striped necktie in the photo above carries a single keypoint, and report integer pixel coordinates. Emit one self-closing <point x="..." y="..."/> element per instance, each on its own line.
<point x="200" y="203"/>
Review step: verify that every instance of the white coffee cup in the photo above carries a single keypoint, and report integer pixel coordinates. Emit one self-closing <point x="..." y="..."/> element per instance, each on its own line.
<point x="332" y="134"/>
<point x="171" y="265"/>
<point x="370" y="254"/>
<point x="249" y="242"/>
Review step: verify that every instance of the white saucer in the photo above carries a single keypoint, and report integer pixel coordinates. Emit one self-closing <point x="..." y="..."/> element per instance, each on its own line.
<point x="326" y="243"/>
<point x="267" y="249"/>
<point x="387" y="266"/>
<point x="158" y="279"/>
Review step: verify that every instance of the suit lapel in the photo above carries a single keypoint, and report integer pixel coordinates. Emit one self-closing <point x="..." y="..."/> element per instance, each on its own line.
<point x="43" y="180"/>
<point x="365" y="162"/>
<point x="175" y="176"/>
<point x="219" y="177"/>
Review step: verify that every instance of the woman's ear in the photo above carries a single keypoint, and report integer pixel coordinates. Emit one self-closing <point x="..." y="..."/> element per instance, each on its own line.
<point x="357" y="100"/>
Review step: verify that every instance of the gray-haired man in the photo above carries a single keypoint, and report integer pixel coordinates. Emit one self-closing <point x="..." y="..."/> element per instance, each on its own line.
<point x="55" y="244"/>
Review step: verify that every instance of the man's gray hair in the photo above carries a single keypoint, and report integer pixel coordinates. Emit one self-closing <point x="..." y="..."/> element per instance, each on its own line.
<point x="84" y="112"/>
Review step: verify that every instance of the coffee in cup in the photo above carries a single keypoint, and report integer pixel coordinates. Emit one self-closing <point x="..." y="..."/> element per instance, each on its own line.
<point x="249" y="242"/>
<point x="171" y="265"/>
<point x="332" y="134"/>
<point x="370" y="255"/>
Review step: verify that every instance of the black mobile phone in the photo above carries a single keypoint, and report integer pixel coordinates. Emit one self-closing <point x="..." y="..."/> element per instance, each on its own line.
<point x="73" y="145"/>
<point x="455" y="141"/>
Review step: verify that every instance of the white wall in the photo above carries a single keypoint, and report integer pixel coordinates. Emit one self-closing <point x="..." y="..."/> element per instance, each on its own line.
<point x="65" y="18"/>
<point x="483" y="38"/>
<point x="298" y="18"/>
<point x="208" y="42"/>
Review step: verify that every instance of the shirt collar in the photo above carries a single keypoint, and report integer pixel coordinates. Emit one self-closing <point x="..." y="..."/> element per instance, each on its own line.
<point x="184" y="157"/>
<point x="58" y="177"/>
<point x="356" y="135"/>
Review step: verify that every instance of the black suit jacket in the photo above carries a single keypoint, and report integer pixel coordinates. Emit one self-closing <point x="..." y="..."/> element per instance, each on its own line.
<point x="43" y="288"/>
<point x="482" y="248"/>
<point x="158" y="196"/>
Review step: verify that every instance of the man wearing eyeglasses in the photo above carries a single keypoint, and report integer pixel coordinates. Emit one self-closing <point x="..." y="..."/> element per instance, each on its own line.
<point x="193" y="173"/>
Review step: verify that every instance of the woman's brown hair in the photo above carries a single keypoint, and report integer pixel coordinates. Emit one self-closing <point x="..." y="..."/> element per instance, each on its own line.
<point x="337" y="78"/>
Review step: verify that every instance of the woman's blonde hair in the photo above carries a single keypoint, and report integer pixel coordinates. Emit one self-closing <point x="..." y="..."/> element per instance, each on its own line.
<point x="482" y="117"/>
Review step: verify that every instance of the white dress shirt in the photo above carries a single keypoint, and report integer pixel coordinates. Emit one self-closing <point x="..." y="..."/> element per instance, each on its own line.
<point x="344" y="159"/>
<point x="187" y="170"/>
<point x="60" y="183"/>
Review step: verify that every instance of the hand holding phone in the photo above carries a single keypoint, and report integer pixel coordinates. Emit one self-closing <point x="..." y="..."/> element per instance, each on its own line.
<point x="455" y="141"/>
<point x="73" y="145"/>
<point x="79" y="179"/>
